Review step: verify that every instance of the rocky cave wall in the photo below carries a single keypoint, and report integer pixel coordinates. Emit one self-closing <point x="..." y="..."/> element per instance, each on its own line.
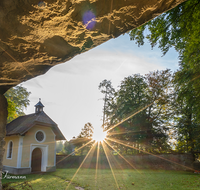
<point x="34" y="36"/>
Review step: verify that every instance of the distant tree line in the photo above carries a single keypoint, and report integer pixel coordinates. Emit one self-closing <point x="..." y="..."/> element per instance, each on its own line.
<point x="64" y="147"/>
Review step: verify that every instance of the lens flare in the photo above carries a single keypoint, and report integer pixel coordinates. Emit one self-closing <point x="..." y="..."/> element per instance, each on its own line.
<point x="42" y="5"/>
<point x="89" y="20"/>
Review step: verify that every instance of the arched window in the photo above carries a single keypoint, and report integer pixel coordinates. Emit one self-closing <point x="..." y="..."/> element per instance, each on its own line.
<point x="10" y="147"/>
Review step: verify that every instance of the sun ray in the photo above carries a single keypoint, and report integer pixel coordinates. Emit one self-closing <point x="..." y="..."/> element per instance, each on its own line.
<point x="75" y="151"/>
<point x="103" y="145"/>
<point x="135" y="113"/>
<point x="88" y="162"/>
<point x="118" y="133"/>
<point x="113" y="159"/>
<point x="97" y="161"/>
<point x="122" y="157"/>
<point x="122" y="143"/>
<point x="123" y="132"/>
<point x="80" y="165"/>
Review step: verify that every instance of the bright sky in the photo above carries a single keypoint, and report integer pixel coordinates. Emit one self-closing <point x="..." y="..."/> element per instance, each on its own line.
<point x="69" y="91"/>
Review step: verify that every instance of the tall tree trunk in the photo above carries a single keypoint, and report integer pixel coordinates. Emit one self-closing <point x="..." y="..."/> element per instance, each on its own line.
<point x="3" y="121"/>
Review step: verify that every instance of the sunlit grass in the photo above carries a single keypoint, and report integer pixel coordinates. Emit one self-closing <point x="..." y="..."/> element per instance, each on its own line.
<point x="88" y="154"/>
<point x="121" y="155"/>
<point x="147" y="180"/>
<point x="106" y="150"/>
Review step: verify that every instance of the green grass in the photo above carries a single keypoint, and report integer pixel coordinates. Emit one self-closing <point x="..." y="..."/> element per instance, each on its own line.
<point x="144" y="179"/>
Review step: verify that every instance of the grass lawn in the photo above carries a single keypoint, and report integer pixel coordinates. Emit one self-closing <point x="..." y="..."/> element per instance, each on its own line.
<point x="126" y="179"/>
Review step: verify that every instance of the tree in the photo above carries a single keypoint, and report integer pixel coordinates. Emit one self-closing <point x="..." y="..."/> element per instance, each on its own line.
<point x="107" y="89"/>
<point x="17" y="98"/>
<point x="179" y="28"/>
<point x="160" y="90"/>
<point x="84" y="137"/>
<point x="187" y="113"/>
<point x="86" y="131"/>
<point x="131" y="96"/>
<point x="146" y="128"/>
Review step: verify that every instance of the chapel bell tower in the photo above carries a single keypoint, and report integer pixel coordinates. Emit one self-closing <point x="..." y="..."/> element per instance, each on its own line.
<point x="39" y="107"/>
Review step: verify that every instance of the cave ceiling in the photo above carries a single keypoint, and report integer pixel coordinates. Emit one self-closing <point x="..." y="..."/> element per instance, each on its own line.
<point x="36" y="35"/>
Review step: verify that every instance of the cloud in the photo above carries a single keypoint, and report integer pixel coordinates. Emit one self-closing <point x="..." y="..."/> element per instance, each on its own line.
<point x="98" y="61"/>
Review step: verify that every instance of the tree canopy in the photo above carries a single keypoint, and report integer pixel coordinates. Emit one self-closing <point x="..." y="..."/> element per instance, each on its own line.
<point x="148" y="127"/>
<point x="17" y="98"/>
<point x="178" y="28"/>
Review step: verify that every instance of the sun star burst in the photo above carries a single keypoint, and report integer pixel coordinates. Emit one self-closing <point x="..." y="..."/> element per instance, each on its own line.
<point x="99" y="135"/>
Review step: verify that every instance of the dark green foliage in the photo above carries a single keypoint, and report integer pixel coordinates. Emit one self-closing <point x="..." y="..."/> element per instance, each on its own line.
<point x="146" y="128"/>
<point x="176" y="28"/>
<point x="188" y="113"/>
<point x="17" y="98"/>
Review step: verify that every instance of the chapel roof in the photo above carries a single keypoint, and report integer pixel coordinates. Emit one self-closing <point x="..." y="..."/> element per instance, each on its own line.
<point x="22" y="124"/>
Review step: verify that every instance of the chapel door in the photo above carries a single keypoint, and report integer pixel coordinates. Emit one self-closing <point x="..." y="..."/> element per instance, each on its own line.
<point x="36" y="160"/>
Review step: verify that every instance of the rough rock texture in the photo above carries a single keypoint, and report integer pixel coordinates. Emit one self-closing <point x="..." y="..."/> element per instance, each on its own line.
<point x="36" y="36"/>
<point x="3" y="120"/>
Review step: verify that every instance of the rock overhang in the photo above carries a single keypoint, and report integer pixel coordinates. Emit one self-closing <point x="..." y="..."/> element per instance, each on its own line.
<point x="34" y="36"/>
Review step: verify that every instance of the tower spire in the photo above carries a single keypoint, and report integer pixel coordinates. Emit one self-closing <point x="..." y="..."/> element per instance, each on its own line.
<point x="39" y="107"/>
